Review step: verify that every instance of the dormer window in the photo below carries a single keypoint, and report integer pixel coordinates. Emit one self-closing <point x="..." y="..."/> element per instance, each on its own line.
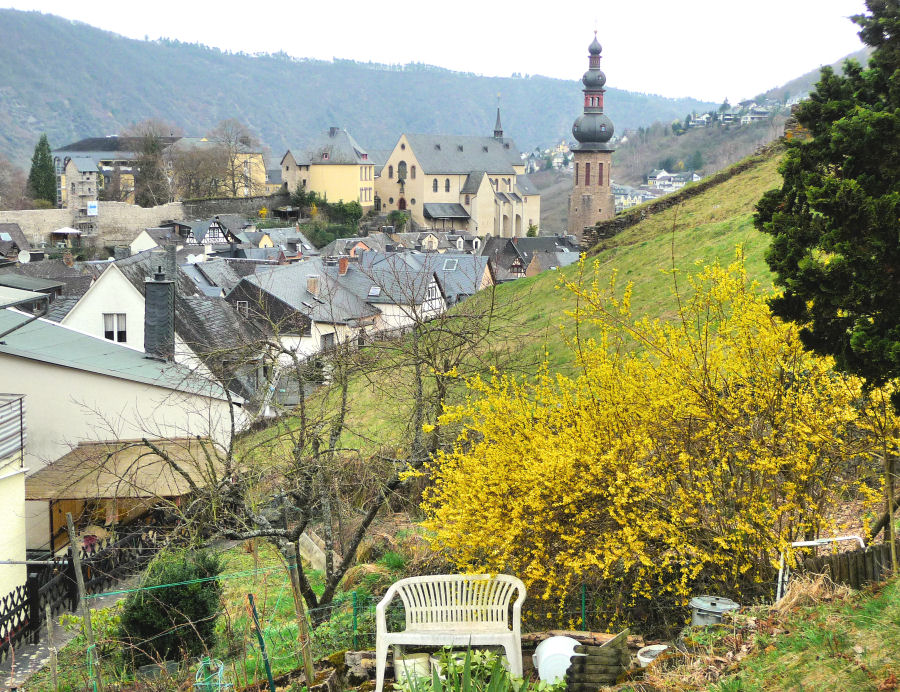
<point x="484" y="148"/>
<point x="324" y="155"/>
<point x="365" y="157"/>
<point x="459" y="147"/>
<point x="437" y="147"/>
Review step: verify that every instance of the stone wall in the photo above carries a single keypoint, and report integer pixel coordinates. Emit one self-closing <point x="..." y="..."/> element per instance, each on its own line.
<point x="245" y="206"/>
<point x="116" y="222"/>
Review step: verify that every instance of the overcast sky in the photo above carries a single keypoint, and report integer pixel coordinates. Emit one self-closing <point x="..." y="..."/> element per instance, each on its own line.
<point x="708" y="49"/>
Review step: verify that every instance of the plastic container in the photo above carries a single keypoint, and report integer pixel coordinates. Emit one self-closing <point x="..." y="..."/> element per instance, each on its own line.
<point x="412" y="666"/>
<point x="648" y="654"/>
<point x="553" y="656"/>
<point x="708" y="610"/>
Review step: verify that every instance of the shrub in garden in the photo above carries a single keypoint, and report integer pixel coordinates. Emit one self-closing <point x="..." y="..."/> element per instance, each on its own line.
<point x="684" y="454"/>
<point x="172" y="622"/>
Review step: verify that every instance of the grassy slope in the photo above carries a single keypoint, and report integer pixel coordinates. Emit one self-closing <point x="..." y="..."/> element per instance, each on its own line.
<point x="706" y="228"/>
<point x="851" y="644"/>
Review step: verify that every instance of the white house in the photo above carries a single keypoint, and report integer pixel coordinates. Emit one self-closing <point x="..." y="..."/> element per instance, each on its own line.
<point x="85" y="389"/>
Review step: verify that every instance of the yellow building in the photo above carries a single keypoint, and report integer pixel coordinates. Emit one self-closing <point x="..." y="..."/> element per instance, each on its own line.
<point x="334" y="167"/>
<point x="476" y="184"/>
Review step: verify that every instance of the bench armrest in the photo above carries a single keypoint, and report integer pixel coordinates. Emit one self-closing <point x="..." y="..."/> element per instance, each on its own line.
<point x="517" y="611"/>
<point x="380" y="619"/>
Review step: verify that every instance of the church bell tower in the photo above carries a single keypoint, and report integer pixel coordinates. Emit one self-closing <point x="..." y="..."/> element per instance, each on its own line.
<point x="592" y="199"/>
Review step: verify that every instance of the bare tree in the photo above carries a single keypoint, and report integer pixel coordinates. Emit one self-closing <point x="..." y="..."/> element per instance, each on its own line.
<point x="197" y="171"/>
<point x="13" y="184"/>
<point x="147" y="140"/>
<point x="244" y="164"/>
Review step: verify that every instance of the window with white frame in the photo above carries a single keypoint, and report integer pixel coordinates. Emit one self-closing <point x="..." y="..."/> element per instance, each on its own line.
<point x="114" y="326"/>
<point x="243" y="307"/>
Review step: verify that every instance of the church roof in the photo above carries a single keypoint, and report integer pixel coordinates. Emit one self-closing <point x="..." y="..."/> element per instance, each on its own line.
<point x="334" y="146"/>
<point x="462" y="154"/>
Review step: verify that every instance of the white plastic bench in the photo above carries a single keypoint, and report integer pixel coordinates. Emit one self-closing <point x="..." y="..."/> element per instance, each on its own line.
<point x="454" y="610"/>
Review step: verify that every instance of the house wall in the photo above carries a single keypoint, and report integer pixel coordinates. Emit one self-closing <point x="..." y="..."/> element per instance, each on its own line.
<point x="309" y="345"/>
<point x="338" y="182"/>
<point x="414" y="189"/>
<point x="12" y="535"/>
<point x="141" y="243"/>
<point x="68" y="406"/>
<point x="110" y="293"/>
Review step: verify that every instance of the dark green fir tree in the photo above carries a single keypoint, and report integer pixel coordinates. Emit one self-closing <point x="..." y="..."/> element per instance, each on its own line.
<point x="42" y="177"/>
<point x="835" y="221"/>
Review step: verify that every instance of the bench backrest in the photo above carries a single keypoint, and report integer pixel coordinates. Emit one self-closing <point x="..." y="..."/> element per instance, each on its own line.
<point x="457" y="599"/>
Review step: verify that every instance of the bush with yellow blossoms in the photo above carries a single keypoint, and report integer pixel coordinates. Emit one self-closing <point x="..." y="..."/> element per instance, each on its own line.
<point x="684" y="456"/>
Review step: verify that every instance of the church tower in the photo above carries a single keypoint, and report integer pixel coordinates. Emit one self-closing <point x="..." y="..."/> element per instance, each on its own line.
<point x="592" y="199"/>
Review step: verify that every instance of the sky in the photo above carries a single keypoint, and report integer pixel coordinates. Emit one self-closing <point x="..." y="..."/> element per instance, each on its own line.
<point x="706" y="49"/>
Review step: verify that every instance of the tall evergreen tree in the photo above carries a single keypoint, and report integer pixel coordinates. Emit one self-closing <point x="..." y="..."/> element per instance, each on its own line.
<point x="42" y="177"/>
<point x="835" y="221"/>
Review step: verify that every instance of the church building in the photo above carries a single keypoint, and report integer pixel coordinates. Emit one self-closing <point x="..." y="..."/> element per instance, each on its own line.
<point x="456" y="182"/>
<point x="592" y="198"/>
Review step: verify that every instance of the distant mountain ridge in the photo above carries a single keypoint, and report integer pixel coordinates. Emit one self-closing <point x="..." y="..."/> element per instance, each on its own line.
<point x="72" y="80"/>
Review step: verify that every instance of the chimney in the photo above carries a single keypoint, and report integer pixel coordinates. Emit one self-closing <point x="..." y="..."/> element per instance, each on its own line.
<point x="332" y="131"/>
<point x="159" y="317"/>
<point x="343" y="263"/>
<point x="312" y="284"/>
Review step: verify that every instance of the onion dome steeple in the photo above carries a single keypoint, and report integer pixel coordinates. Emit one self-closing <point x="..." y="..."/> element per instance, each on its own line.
<point x="593" y="129"/>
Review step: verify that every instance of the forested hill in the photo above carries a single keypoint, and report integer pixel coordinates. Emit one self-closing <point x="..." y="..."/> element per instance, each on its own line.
<point x="73" y="80"/>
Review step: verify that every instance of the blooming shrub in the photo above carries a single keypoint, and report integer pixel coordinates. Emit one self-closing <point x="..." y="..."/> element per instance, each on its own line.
<point x="687" y="453"/>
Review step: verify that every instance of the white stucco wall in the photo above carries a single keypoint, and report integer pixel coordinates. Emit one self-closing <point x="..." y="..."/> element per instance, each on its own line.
<point x="12" y="533"/>
<point x="68" y="406"/>
<point x="112" y="292"/>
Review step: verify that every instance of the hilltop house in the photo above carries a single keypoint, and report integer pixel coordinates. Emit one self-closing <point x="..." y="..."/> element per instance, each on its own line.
<point x="335" y="167"/>
<point x="455" y="182"/>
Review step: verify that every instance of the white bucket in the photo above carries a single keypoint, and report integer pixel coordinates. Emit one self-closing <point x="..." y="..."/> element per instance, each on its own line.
<point x="412" y="666"/>
<point x="648" y="654"/>
<point x="553" y="656"/>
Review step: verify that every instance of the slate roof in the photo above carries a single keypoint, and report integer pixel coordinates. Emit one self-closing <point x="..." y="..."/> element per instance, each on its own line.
<point x="338" y="144"/>
<point x="11" y="235"/>
<point x="85" y="164"/>
<point x="289" y="236"/>
<point x="341" y="246"/>
<point x="75" y="279"/>
<point x="163" y="236"/>
<point x="273" y="176"/>
<point x="113" y="144"/>
<point x="47" y="342"/>
<point x="461" y="154"/>
<point x="459" y="274"/>
<point x="218" y="272"/>
<point x="335" y="303"/>
<point x="379" y="157"/>
<point x="473" y="182"/>
<point x="444" y="210"/>
<point x="402" y="282"/>
<point x="525" y="186"/>
<point x="61" y="307"/>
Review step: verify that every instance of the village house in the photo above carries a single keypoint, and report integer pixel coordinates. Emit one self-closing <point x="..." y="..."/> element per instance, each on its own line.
<point x="81" y="389"/>
<point x="465" y="183"/>
<point x="515" y="258"/>
<point x="334" y="166"/>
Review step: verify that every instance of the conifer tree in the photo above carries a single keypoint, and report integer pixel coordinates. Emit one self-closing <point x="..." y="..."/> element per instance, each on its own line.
<point x="835" y="221"/>
<point x="42" y="177"/>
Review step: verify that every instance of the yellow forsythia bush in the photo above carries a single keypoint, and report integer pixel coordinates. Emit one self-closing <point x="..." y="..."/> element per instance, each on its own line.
<point x="687" y="452"/>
